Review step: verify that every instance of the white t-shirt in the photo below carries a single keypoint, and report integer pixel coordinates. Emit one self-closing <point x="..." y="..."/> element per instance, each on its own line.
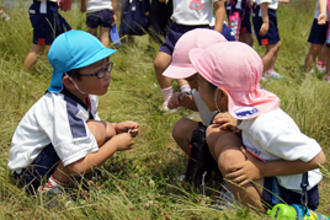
<point x="272" y="4"/>
<point x="317" y="11"/>
<point x="57" y="119"/>
<point x="273" y="136"/>
<point x="193" y="12"/>
<point x="97" y="5"/>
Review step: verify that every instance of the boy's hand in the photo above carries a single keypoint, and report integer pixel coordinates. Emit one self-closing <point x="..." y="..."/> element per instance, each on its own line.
<point x="225" y="121"/>
<point x="322" y="19"/>
<point x="264" y="29"/>
<point x="244" y="172"/>
<point x="124" y="141"/>
<point x="178" y="99"/>
<point x="130" y="127"/>
<point x="114" y="17"/>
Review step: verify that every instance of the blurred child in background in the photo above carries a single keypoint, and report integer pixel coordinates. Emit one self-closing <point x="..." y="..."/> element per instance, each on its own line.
<point x="317" y="37"/>
<point x="47" y="24"/>
<point x="101" y="14"/>
<point x="265" y="27"/>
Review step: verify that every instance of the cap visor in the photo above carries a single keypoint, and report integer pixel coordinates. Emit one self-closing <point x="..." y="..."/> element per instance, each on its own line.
<point x="175" y="72"/>
<point x="99" y="55"/>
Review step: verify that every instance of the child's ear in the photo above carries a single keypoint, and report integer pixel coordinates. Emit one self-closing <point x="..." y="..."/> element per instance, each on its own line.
<point x="223" y="100"/>
<point x="67" y="83"/>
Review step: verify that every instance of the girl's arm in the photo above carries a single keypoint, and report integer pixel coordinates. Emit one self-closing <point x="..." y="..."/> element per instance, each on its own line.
<point x="114" y="8"/>
<point x="265" y="19"/>
<point x="253" y="169"/>
<point x="219" y="12"/>
<point x="322" y="19"/>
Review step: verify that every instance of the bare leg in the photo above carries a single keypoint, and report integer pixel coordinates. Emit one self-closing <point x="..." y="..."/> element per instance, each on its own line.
<point x="224" y="147"/>
<point x="31" y="58"/>
<point x="92" y="31"/>
<point x="311" y="56"/>
<point x="104" y="37"/>
<point x="271" y="52"/>
<point x="246" y="37"/>
<point x="161" y="62"/>
<point x="182" y="133"/>
<point x="328" y="64"/>
<point x="269" y="48"/>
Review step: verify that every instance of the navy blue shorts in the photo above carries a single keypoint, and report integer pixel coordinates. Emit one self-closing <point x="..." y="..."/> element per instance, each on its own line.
<point x="102" y="18"/>
<point x="245" y="13"/>
<point x="46" y="27"/>
<point x="272" y="36"/>
<point x="40" y="170"/>
<point x="274" y="193"/>
<point x="175" y="31"/>
<point x="318" y="34"/>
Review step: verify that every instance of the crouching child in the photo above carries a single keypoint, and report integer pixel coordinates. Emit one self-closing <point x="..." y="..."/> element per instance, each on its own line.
<point x="62" y="136"/>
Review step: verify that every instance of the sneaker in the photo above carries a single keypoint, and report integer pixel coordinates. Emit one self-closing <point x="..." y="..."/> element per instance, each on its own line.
<point x="321" y="68"/>
<point x="51" y="189"/>
<point x="272" y="74"/>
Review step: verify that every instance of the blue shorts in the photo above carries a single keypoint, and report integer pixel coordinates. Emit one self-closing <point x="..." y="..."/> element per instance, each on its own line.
<point x="175" y="31"/>
<point x="102" y="18"/>
<point x="274" y="193"/>
<point x="40" y="170"/>
<point x="245" y="13"/>
<point x="46" y="27"/>
<point x="318" y="33"/>
<point x="272" y="36"/>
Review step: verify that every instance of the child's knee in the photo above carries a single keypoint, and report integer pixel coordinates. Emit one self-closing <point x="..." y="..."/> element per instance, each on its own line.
<point x="98" y="129"/>
<point x="227" y="141"/>
<point x="183" y="129"/>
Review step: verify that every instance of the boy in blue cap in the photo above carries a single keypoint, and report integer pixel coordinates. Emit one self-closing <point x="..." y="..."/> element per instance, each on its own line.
<point x="61" y="135"/>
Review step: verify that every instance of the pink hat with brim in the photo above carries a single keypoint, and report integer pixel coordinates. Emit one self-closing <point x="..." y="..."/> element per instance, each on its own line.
<point x="236" y="68"/>
<point x="181" y="66"/>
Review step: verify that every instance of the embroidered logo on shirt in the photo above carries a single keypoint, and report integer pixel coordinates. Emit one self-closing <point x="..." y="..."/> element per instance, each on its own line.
<point x="247" y="111"/>
<point x="196" y="5"/>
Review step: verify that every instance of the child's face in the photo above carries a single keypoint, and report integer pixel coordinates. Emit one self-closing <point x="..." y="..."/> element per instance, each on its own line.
<point x="192" y="80"/>
<point x="92" y="84"/>
<point x="208" y="95"/>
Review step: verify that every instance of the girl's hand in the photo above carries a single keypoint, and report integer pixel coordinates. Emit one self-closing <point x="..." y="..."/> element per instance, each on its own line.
<point x="244" y="172"/>
<point x="322" y="19"/>
<point x="264" y="29"/>
<point x="225" y="121"/>
<point x="130" y="127"/>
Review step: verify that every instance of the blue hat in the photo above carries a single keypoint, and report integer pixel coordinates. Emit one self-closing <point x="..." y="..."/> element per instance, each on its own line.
<point x="72" y="50"/>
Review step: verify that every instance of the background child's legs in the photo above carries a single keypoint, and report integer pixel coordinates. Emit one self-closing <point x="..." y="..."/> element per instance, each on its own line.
<point x="269" y="58"/>
<point x="225" y="148"/>
<point x="161" y="62"/>
<point x="313" y="52"/>
<point x="182" y="133"/>
<point x="31" y="58"/>
<point x="247" y="38"/>
<point x="104" y="36"/>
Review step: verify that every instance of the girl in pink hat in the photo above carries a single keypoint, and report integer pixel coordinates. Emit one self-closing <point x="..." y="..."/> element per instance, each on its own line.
<point x="273" y="161"/>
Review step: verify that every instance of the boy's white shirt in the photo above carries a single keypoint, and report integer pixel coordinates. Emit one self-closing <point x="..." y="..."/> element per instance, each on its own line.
<point x="184" y="14"/>
<point x="272" y="4"/>
<point x="97" y="5"/>
<point x="273" y="136"/>
<point x="48" y="121"/>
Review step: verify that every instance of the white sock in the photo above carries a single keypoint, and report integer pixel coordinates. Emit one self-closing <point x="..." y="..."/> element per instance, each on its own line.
<point x="167" y="93"/>
<point x="185" y="89"/>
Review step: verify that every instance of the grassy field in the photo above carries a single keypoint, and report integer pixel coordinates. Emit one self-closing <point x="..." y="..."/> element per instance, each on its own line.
<point x="142" y="183"/>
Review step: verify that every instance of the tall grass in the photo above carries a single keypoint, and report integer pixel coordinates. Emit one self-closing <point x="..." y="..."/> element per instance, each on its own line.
<point x="142" y="183"/>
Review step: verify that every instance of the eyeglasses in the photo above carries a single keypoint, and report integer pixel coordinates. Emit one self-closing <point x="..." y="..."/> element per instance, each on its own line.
<point x="102" y="72"/>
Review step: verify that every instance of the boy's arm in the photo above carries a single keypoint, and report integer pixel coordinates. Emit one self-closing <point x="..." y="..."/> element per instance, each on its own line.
<point x="114" y="8"/>
<point x="119" y="142"/>
<point x="265" y="19"/>
<point x="83" y="6"/>
<point x="253" y="169"/>
<point x="219" y="12"/>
